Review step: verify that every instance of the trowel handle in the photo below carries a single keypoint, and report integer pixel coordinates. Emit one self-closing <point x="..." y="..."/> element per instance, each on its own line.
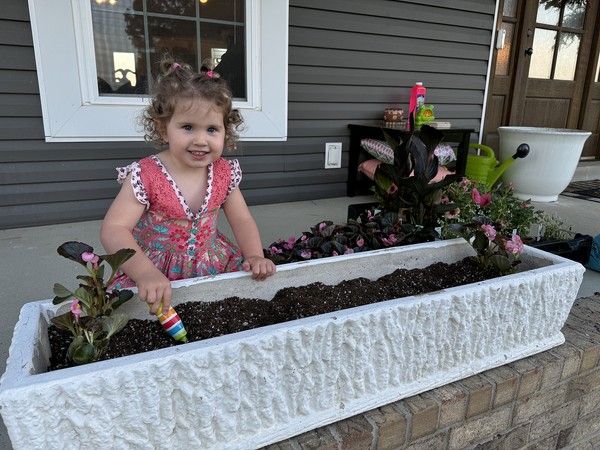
<point x="522" y="151"/>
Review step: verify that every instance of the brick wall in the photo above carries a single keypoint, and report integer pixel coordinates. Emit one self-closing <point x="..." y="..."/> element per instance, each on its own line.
<point x="548" y="401"/>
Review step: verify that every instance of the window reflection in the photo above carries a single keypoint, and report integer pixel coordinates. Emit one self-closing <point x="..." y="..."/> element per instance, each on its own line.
<point x="548" y="13"/>
<point x="574" y="16"/>
<point x="543" y="52"/>
<point x="566" y="61"/>
<point x="125" y="35"/>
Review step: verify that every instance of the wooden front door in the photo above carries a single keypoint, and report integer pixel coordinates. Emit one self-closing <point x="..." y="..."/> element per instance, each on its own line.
<point x="541" y="74"/>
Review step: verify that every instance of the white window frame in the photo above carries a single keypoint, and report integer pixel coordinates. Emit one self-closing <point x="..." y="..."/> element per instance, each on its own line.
<point x="73" y="111"/>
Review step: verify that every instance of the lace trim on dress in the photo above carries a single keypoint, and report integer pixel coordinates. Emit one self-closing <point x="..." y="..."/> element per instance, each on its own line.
<point x="188" y="212"/>
<point x="136" y="182"/>
<point x="236" y="176"/>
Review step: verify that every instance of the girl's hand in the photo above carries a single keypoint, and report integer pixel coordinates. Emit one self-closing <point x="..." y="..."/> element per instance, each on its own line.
<point x="261" y="267"/>
<point x="153" y="287"/>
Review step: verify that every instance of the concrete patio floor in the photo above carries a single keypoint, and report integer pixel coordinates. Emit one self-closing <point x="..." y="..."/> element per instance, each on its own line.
<point x="30" y="265"/>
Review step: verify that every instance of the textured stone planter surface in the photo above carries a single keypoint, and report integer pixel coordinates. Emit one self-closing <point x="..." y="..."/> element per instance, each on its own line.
<point x="249" y="389"/>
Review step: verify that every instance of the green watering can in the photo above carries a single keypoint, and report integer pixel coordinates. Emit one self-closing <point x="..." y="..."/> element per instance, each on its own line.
<point x="482" y="168"/>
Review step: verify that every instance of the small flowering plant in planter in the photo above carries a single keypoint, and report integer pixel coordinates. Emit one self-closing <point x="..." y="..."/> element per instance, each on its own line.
<point x="91" y="319"/>
<point x="325" y="239"/>
<point x="474" y="198"/>
<point x="493" y="249"/>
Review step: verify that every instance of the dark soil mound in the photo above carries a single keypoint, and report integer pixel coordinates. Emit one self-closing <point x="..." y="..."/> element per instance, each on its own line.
<point x="204" y="320"/>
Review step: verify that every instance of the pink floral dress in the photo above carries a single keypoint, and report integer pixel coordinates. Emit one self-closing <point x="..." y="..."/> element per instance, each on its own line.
<point x="181" y="243"/>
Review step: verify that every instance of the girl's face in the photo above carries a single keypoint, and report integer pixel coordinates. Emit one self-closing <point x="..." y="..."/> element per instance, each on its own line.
<point x="195" y="133"/>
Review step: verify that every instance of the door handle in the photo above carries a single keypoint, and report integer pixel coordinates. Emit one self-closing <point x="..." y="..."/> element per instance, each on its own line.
<point x="528" y="51"/>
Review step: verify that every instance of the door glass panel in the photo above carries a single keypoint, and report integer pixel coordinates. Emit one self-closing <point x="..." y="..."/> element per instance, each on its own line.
<point x="510" y="8"/>
<point x="547" y="14"/>
<point x="504" y="54"/>
<point x="543" y="51"/>
<point x="574" y="16"/>
<point x="568" y="49"/>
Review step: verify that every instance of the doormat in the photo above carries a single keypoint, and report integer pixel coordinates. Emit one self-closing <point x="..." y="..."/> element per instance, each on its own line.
<point x="584" y="190"/>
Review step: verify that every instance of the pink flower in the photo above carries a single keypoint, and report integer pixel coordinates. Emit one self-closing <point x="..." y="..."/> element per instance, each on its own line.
<point x="393" y="189"/>
<point x="334" y="253"/>
<point x="360" y="242"/>
<point x="348" y="251"/>
<point x="90" y="257"/>
<point x="503" y="223"/>
<point x="274" y="250"/>
<point x="303" y="238"/>
<point x="514" y="246"/>
<point x="523" y="206"/>
<point x="290" y="243"/>
<point x="452" y="214"/>
<point x="305" y="255"/>
<point x="490" y="231"/>
<point x="481" y="200"/>
<point x="76" y="307"/>
<point x="389" y="241"/>
<point x="321" y="226"/>
<point x="369" y="215"/>
<point x="511" y="185"/>
<point x="444" y="200"/>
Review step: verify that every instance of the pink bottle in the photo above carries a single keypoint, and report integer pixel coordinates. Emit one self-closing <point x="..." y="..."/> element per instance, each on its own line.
<point x="417" y="98"/>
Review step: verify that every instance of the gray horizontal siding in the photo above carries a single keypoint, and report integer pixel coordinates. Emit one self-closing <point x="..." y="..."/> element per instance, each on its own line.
<point x="348" y="61"/>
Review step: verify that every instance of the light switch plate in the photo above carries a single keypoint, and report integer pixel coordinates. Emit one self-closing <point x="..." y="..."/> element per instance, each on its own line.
<point x="333" y="155"/>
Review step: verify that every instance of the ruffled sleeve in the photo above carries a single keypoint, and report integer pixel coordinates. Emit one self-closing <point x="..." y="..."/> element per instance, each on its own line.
<point x="136" y="182"/>
<point x="236" y="176"/>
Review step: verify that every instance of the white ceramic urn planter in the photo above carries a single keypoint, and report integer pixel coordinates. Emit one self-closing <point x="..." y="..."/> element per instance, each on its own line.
<point x="550" y="165"/>
<point x="253" y="388"/>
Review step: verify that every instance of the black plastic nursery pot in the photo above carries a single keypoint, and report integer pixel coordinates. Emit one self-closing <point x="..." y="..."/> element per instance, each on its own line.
<point x="577" y="249"/>
<point x="355" y="210"/>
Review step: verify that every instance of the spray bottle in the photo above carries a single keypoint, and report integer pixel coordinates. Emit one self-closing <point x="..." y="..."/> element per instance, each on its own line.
<point x="172" y="324"/>
<point x="417" y="99"/>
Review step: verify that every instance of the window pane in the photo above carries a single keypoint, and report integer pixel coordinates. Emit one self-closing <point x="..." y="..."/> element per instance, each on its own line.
<point x="122" y="31"/>
<point x="226" y="46"/>
<point x="176" y="7"/>
<point x="120" y="53"/>
<point x="547" y="13"/>
<point x="566" y="61"/>
<point x="510" y="8"/>
<point x="574" y="16"/>
<point x="543" y="51"/>
<point x="219" y="10"/>
<point x="116" y="5"/>
<point x="504" y="54"/>
<point x="174" y="36"/>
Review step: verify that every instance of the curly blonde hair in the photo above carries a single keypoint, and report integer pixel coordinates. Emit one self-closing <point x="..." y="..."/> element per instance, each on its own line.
<point x="177" y="81"/>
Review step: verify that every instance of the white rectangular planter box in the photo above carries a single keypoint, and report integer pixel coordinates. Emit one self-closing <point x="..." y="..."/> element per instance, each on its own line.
<point x="253" y="388"/>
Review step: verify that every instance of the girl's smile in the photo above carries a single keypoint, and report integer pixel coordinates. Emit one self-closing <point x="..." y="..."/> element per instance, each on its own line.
<point x="196" y="135"/>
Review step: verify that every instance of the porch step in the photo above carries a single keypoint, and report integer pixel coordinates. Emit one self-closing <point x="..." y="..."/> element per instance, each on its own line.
<point x="587" y="170"/>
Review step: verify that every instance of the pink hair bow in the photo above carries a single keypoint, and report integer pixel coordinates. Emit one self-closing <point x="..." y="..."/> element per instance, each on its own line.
<point x="176" y="65"/>
<point x="210" y="74"/>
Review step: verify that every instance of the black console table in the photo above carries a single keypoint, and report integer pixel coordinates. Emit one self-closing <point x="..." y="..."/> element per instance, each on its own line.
<point x="462" y="136"/>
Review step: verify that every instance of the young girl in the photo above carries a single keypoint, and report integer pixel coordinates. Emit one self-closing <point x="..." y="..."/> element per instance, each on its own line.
<point x="168" y="207"/>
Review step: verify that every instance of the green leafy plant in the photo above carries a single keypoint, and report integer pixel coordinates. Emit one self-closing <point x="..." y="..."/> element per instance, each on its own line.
<point x="553" y="228"/>
<point x="91" y="319"/>
<point x="369" y="232"/>
<point x="492" y="248"/>
<point x="405" y="186"/>
<point x="497" y="203"/>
